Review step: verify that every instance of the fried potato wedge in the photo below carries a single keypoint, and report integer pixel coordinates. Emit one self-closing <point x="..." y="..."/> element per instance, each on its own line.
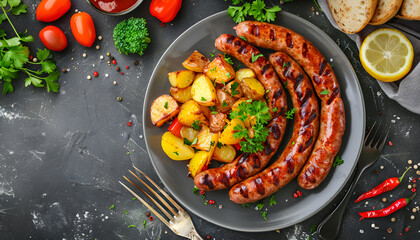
<point x="182" y="95"/>
<point x="204" y="139"/>
<point x="244" y="73"/>
<point x="225" y="101"/>
<point x="252" y="88"/>
<point x="181" y="79"/>
<point x="189" y="133"/>
<point x="196" y="62"/>
<point x="227" y="135"/>
<point x="192" y="112"/>
<point x="203" y="91"/>
<point x="163" y="108"/>
<point x="175" y="148"/>
<point x="225" y="153"/>
<point x="219" y="70"/>
<point x="234" y="89"/>
<point x="197" y="163"/>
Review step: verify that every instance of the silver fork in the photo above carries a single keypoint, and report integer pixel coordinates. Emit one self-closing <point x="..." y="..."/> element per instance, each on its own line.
<point x="329" y="228"/>
<point x="179" y="222"/>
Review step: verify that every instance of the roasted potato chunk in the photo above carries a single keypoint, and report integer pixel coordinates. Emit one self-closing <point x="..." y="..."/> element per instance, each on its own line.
<point x="227" y="135"/>
<point x="217" y="122"/>
<point x="213" y="144"/>
<point x="243" y="73"/>
<point x="225" y="153"/>
<point x="163" y="108"/>
<point x="182" y="95"/>
<point x="252" y="88"/>
<point x="225" y="101"/>
<point x="189" y="133"/>
<point x="204" y="139"/>
<point x="219" y="70"/>
<point x="203" y="91"/>
<point x="175" y="148"/>
<point x="196" y="62"/>
<point x="181" y="79"/>
<point x="191" y="112"/>
<point x="234" y="89"/>
<point x="197" y="163"/>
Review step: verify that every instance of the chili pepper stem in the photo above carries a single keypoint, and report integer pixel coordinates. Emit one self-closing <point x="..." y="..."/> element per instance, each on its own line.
<point x="411" y="198"/>
<point x="401" y="178"/>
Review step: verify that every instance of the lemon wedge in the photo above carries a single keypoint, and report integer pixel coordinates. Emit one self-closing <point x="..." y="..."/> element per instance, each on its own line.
<point x="387" y="54"/>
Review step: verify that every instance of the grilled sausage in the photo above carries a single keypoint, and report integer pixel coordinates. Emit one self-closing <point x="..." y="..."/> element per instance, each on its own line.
<point x="297" y="151"/>
<point x="247" y="164"/>
<point x="326" y="87"/>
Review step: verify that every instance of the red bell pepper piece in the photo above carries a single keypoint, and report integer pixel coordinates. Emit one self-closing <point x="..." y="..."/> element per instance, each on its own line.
<point x="165" y="10"/>
<point x="386" y="186"/>
<point x="400" y="203"/>
<point x="237" y="146"/>
<point x="175" y="128"/>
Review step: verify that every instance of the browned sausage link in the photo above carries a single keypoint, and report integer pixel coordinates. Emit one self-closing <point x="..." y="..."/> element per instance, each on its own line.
<point x="297" y="151"/>
<point x="247" y="165"/>
<point x="323" y="78"/>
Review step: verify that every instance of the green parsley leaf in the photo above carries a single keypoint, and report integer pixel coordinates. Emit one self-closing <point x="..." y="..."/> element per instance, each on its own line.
<point x="249" y="100"/>
<point x="262" y="14"/>
<point x="325" y="92"/>
<point x="212" y="108"/>
<point x="233" y="88"/>
<point x="260" y="206"/>
<point x="224" y="83"/>
<point x="245" y="205"/>
<point x="243" y="38"/>
<point x="284" y="64"/>
<point x="187" y="142"/>
<point x="43" y="54"/>
<point x="211" y="54"/>
<point x="19" y="9"/>
<point x="213" y="69"/>
<point x="290" y="113"/>
<point x="112" y="207"/>
<point x="275" y="109"/>
<point x="196" y="126"/>
<point x="144" y="224"/>
<point x="176" y="153"/>
<point x="133" y="198"/>
<point x="312" y="231"/>
<point x="224" y="104"/>
<point x="272" y="201"/>
<point x="228" y="59"/>
<point x="34" y="81"/>
<point x="17" y="55"/>
<point x="195" y="190"/>
<point x="293" y="143"/>
<point x="132" y="226"/>
<point x="48" y="66"/>
<point x="254" y="58"/>
<point x="228" y="75"/>
<point x="337" y="161"/>
<point x="194" y="141"/>
<point x="285" y="84"/>
<point x="166" y="105"/>
<point x="203" y="99"/>
<point x="214" y="112"/>
<point x="238" y="13"/>
<point x="264" y="214"/>
<point x="212" y="143"/>
<point x="219" y="145"/>
<point x="126" y="212"/>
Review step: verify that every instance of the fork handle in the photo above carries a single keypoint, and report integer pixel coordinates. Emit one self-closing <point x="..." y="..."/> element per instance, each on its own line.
<point x="330" y="226"/>
<point x="193" y="235"/>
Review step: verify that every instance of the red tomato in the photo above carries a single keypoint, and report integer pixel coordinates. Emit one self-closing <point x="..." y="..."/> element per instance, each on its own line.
<point x="51" y="10"/>
<point x="53" y="38"/>
<point x="83" y="28"/>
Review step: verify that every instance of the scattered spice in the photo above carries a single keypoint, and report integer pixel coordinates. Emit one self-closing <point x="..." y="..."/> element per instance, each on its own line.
<point x="118" y="69"/>
<point x="392" y="219"/>
<point x="151" y="218"/>
<point x="99" y="37"/>
<point x="295" y="195"/>
<point x="95" y="73"/>
<point x="389" y="230"/>
<point x="35" y="60"/>
<point x="114" y="61"/>
<point x="136" y="63"/>
<point x="390" y="143"/>
<point x="383" y="199"/>
<point x="97" y="47"/>
<point x="412" y="217"/>
<point x="101" y="57"/>
<point x="64" y="70"/>
<point x="122" y="73"/>
<point x="409" y="162"/>
<point x="202" y="192"/>
<point x="108" y="54"/>
<point x="211" y="202"/>
<point x="119" y="98"/>
<point x="89" y="77"/>
<point x="115" y="82"/>
<point x="148" y="214"/>
<point x="127" y="67"/>
<point x="84" y="55"/>
<point x="129" y="124"/>
<point x="208" y="237"/>
<point x="407" y="229"/>
<point x="299" y="193"/>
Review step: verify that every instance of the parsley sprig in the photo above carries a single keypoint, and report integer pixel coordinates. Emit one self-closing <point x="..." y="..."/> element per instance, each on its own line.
<point x="261" y="112"/>
<point x="337" y="161"/>
<point x="257" y="9"/>
<point x="291" y="113"/>
<point x="14" y="56"/>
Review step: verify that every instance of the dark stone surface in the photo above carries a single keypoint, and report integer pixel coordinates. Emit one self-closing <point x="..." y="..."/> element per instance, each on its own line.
<point x="62" y="155"/>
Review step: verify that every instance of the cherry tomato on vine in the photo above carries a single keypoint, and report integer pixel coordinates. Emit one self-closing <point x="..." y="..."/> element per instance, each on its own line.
<point x="53" y="38"/>
<point x="83" y="29"/>
<point x="51" y="10"/>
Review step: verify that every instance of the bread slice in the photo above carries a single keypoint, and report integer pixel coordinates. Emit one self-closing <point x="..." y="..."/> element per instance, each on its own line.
<point x="385" y="10"/>
<point x="352" y="16"/>
<point x="410" y="10"/>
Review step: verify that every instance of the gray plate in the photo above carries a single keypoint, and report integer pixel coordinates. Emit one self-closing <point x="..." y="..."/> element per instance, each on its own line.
<point x="288" y="210"/>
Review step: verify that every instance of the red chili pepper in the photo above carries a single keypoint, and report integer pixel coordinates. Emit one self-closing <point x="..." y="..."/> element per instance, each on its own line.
<point x="151" y="218"/>
<point x="386" y="186"/>
<point x="165" y="10"/>
<point x="400" y="203"/>
<point x="175" y="128"/>
<point x="237" y="146"/>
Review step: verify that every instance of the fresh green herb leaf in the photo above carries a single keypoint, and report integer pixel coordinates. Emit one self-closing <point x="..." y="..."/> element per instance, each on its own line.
<point x="290" y="113"/>
<point x="284" y="64"/>
<point x="213" y="69"/>
<point x="196" y="125"/>
<point x="312" y="231"/>
<point x="228" y="59"/>
<point x="194" y="141"/>
<point x="187" y="142"/>
<point x="262" y="14"/>
<point x="133" y="198"/>
<point x="144" y="224"/>
<point x="233" y="88"/>
<point x="337" y="161"/>
<point x="214" y="112"/>
<point x="224" y="83"/>
<point x="272" y="201"/>
<point x="211" y="54"/>
<point x="112" y="207"/>
<point x="195" y="190"/>
<point x="260" y="205"/>
<point x="275" y="109"/>
<point x="293" y="143"/>
<point x="243" y="38"/>
<point x="126" y="212"/>
<point x="203" y="99"/>
<point x="238" y="13"/>
<point x="285" y="84"/>
<point x="212" y="108"/>
<point x="249" y="100"/>
<point x="132" y="226"/>
<point x="219" y="145"/>
<point x="254" y="58"/>
<point x="264" y="214"/>
<point x="224" y="104"/>
<point x="245" y="205"/>
<point x="176" y="153"/>
<point x="325" y="92"/>
<point x="166" y="105"/>
<point x="267" y="91"/>
<point x="228" y="75"/>
<point x="212" y="143"/>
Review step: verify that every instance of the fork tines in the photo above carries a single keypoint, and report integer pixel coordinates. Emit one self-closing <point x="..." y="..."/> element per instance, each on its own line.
<point x="380" y="141"/>
<point x="162" y="209"/>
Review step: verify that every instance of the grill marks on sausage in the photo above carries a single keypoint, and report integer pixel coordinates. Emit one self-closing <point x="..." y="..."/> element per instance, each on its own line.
<point x="255" y="30"/>
<point x="275" y="129"/>
<point x="307" y="144"/>
<point x="277" y="94"/>
<point x="334" y="94"/>
<point x="242" y="49"/>
<point x="260" y="186"/>
<point x="241" y="172"/>
<point x="256" y="163"/>
<point x="311" y="118"/>
<point x="298" y="82"/>
<point x="225" y="180"/>
<point x="243" y="158"/>
<point x="265" y="68"/>
<point x="274" y="176"/>
<point x="244" y="191"/>
<point x="305" y="50"/>
<point x="272" y="35"/>
<point x="322" y="67"/>
<point x="230" y="39"/>
<point x="289" y="41"/>
<point x="290" y="164"/>
<point x="267" y="148"/>
<point x="208" y="182"/>
<point x="279" y="61"/>
<point x="316" y="79"/>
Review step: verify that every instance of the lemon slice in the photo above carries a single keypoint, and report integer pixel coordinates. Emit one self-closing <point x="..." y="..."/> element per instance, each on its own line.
<point x="387" y="54"/>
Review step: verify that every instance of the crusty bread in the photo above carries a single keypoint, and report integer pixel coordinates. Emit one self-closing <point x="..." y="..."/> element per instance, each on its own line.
<point x="352" y="16"/>
<point x="410" y="10"/>
<point x="385" y="10"/>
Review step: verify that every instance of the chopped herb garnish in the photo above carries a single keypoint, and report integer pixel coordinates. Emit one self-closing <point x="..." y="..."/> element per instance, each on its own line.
<point x="203" y="99"/>
<point x="214" y="112"/>
<point x="195" y="190"/>
<point x="112" y="207"/>
<point x="194" y="141"/>
<point x="133" y="198"/>
<point x="293" y="143"/>
<point x="272" y="201"/>
<point x="166" y="105"/>
<point x="213" y="69"/>
<point x="331" y="65"/>
<point x="260" y="206"/>
<point x="233" y="88"/>
<point x="267" y="91"/>
<point x="212" y="108"/>
<point x="264" y="214"/>
<point x="254" y="58"/>
<point x="243" y="38"/>
<point x="285" y="84"/>
<point x="312" y="231"/>
<point x="275" y="109"/>
<point x="337" y="161"/>
<point x="228" y="75"/>
<point x="224" y="83"/>
<point x="187" y="142"/>
<point x="196" y="126"/>
<point x="176" y="153"/>
<point x="325" y="92"/>
<point x="284" y="64"/>
<point x="290" y="113"/>
<point x="219" y="145"/>
<point x="211" y="143"/>
<point x="245" y="205"/>
<point x="132" y="226"/>
<point x="224" y="104"/>
<point x="211" y="54"/>
<point x="228" y="59"/>
<point x="144" y="224"/>
<point x="249" y="100"/>
<point x="126" y="212"/>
